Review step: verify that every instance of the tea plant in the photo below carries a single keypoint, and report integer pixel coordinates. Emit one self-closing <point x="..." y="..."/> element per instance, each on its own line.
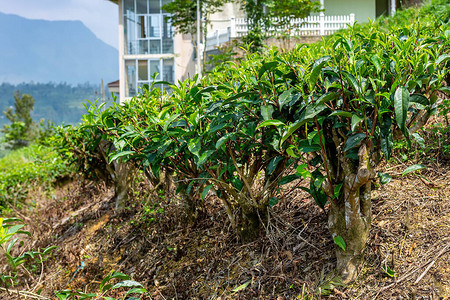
<point x="327" y="113"/>
<point x="22" y="169"/>
<point x="9" y="229"/>
<point x="107" y="287"/>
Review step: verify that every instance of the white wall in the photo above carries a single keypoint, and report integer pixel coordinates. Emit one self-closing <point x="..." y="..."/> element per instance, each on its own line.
<point x="363" y="9"/>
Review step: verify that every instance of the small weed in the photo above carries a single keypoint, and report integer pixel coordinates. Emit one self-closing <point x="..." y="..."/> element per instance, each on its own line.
<point x="106" y="286"/>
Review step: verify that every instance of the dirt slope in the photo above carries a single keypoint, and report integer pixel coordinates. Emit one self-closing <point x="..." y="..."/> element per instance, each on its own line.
<point x="151" y="243"/>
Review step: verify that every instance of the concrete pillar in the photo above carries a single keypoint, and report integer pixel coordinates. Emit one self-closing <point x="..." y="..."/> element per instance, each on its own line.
<point x="322" y="23"/>
<point x="393" y="7"/>
<point x="122" y="74"/>
<point x="233" y="27"/>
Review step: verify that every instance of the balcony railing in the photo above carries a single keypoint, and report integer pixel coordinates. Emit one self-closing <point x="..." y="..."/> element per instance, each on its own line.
<point x="311" y="26"/>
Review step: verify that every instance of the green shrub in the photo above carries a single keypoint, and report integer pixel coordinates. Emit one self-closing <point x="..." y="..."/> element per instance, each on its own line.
<point x="326" y="113"/>
<point x="23" y="169"/>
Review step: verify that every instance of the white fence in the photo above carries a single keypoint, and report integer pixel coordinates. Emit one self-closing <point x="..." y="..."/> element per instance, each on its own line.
<point x="218" y="38"/>
<point x="310" y="26"/>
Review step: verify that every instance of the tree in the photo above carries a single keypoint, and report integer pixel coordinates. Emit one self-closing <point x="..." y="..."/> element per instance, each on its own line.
<point x="184" y="17"/>
<point x="284" y="12"/>
<point x="263" y="14"/>
<point x="20" y="131"/>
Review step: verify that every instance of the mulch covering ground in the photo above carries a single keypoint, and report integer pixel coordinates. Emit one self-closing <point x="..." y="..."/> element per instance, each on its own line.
<point x="407" y="254"/>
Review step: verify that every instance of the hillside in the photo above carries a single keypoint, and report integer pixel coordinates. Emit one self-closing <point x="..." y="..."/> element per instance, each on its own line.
<point x="53" y="51"/>
<point x="152" y="244"/>
<point x="56" y="102"/>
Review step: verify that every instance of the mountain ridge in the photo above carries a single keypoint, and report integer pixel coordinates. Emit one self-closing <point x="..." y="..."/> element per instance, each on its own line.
<point x="53" y="51"/>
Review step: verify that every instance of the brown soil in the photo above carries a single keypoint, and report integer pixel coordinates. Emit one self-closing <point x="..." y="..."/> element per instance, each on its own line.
<point x="294" y="258"/>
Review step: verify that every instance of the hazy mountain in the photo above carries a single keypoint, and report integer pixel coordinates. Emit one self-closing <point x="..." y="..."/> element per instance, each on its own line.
<point x="58" y="51"/>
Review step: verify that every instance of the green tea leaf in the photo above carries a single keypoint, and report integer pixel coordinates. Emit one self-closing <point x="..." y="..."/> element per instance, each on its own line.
<point x="419" y="98"/>
<point x="120" y="154"/>
<point x="419" y="140"/>
<point x="269" y="66"/>
<point x="338" y="240"/>
<point x="376" y="62"/>
<point x="126" y="283"/>
<point x="351" y="80"/>
<point x="273" y="201"/>
<point x="316" y="70"/>
<point x="355" y="121"/>
<point x="137" y="291"/>
<point x="401" y="104"/>
<point x="195" y="145"/>
<point x="442" y="58"/>
<point x="413" y="168"/>
<point x="266" y="112"/>
<point x="327" y="97"/>
<point x="308" y="114"/>
<point x="384" y="178"/>
<point x="287" y="179"/>
<point x="284" y="98"/>
<point x="224" y="139"/>
<point x="205" y="191"/>
<point x="341" y="113"/>
<point x="337" y="191"/>
<point x="303" y="171"/>
<point x="354" y="140"/>
<point x="204" y="157"/>
<point x="273" y="164"/>
<point x="270" y="122"/>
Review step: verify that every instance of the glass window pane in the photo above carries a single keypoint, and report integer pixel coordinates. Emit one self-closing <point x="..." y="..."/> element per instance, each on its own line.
<point x="155" y="68"/>
<point x="142" y="70"/>
<point x="130" y="32"/>
<point x="167" y="27"/>
<point x="128" y="5"/>
<point x="142" y="47"/>
<point x="155" y="46"/>
<point x="130" y="84"/>
<point x="168" y="70"/>
<point x="154" y="25"/>
<point x="141" y="7"/>
<point x="167" y="36"/>
<point x="154" y="6"/>
<point x="167" y="46"/>
<point x="141" y="28"/>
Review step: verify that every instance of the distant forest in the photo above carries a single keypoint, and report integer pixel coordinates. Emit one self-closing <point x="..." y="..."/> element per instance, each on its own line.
<point x="57" y="102"/>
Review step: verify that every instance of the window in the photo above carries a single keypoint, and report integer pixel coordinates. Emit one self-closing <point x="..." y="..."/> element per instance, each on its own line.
<point x="142" y="70"/>
<point x="146" y="29"/>
<point x="140" y="73"/>
<point x="130" y="84"/>
<point x="168" y="70"/>
<point x="154" y="25"/>
<point x="155" y="68"/>
<point x="141" y="7"/>
<point x="155" y="6"/>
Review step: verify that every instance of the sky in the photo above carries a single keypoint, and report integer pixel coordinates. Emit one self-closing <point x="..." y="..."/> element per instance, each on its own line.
<point x="100" y="16"/>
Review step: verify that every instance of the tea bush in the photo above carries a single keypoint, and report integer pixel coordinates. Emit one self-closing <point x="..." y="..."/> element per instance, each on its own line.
<point x="326" y="113"/>
<point x="28" y="167"/>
